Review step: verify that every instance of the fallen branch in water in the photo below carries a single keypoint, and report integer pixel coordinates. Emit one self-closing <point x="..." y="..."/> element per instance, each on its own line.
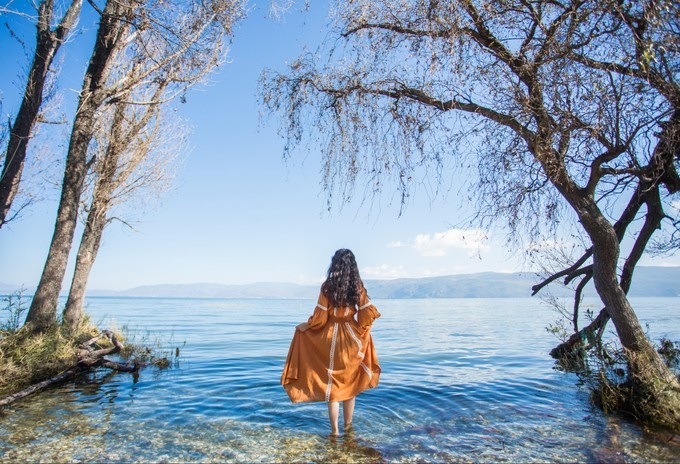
<point x="39" y="386"/>
<point x="584" y="339"/>
<point x="88" y="358"/>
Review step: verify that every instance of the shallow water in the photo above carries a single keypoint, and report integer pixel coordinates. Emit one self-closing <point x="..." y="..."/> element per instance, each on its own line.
<point x="463" y="380"/>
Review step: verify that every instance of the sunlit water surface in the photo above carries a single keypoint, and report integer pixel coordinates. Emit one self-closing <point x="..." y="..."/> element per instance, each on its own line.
<point x="463" y="380"/>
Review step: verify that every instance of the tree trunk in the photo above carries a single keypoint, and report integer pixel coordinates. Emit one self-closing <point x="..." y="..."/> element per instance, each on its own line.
<point x="105" y="184"/>
<point x="42" y="312"/>
<point x="46" y="47"/>
<point x="647" y="194"/>
<point x="87" y="253"/>
<point x="656" y="390"/>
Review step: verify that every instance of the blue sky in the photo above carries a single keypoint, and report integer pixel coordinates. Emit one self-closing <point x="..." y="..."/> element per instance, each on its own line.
<point x="238" y="212"/>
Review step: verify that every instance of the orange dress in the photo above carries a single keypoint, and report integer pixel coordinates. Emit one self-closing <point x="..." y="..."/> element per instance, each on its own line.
<point x="334" y="359"/>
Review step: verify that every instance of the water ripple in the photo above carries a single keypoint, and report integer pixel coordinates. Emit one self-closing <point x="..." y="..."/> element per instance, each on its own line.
<point x="457" y="385"/>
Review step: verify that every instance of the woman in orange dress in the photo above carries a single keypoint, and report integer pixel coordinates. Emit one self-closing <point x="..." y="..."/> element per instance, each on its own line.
<point x="332" y="357"/>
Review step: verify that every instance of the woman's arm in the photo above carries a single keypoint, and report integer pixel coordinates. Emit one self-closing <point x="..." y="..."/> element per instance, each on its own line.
<point x="367" y="312"/>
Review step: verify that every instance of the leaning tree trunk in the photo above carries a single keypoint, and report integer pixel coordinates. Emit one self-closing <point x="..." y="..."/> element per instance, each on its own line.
<point x="94" y="228"/>
<point x="42" y="312"/>
<point x="655" y="388"/>
<point x="647" y="194"/>
<point x="109" y="177"/>
<point x="47" y="44"/>
<point x="87" y="253"/>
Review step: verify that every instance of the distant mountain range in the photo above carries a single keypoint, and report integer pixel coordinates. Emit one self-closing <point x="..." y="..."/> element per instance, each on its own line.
<point x="648" y="281"/>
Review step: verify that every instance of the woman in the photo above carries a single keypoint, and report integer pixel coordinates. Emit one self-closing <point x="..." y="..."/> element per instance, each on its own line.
<point x="332" y="357"/>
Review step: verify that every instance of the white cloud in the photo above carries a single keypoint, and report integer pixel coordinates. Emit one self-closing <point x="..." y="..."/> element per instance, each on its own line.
<point x="454" y="251"/>
<point x="441" y="271"/>
<point x="443" y="243"/>
<point x="384" y="271"/>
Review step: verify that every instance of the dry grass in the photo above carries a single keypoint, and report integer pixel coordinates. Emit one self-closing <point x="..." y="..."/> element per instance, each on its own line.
<point x="149" y="350"/>
<point x="27" y="358"/>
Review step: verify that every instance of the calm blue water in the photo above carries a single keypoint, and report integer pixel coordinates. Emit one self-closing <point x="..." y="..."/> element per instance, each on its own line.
<point x="463" y="380"/>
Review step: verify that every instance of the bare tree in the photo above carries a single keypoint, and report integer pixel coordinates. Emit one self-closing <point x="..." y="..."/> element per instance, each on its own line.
<point x="113" y="27"/>
<point x="177" y="41"/>
<point x="48" y="41"/>
<point x="554" y="103"/>
<point x="135" y="146"/>
<point x="652" y="42"/>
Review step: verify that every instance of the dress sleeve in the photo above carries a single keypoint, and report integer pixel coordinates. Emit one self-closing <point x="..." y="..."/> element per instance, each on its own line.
<point x="367" y="312"/>
<point x="318" y="319"/>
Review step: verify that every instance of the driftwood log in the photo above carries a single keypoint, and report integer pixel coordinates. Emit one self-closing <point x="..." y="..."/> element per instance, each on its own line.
<point x="88" y="358"/>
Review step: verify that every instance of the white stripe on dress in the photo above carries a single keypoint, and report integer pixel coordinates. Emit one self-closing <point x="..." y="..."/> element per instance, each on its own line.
<point x="365" y="306"/>
<point x="368" y="371"/>
<point x="321" y="307"/>
<point x="356" y="339"/>
<point x="331" y="362"/>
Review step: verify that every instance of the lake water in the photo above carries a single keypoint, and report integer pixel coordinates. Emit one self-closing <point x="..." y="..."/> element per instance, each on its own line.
<point x="463" y="380"/>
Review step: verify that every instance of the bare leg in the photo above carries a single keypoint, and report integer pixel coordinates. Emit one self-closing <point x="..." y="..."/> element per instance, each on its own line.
<point x="348" y="412"/>
<point x="333" y="414"/>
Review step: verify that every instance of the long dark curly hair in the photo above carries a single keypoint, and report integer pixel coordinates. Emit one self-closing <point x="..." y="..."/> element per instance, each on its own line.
<point x="343" y="284"/>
